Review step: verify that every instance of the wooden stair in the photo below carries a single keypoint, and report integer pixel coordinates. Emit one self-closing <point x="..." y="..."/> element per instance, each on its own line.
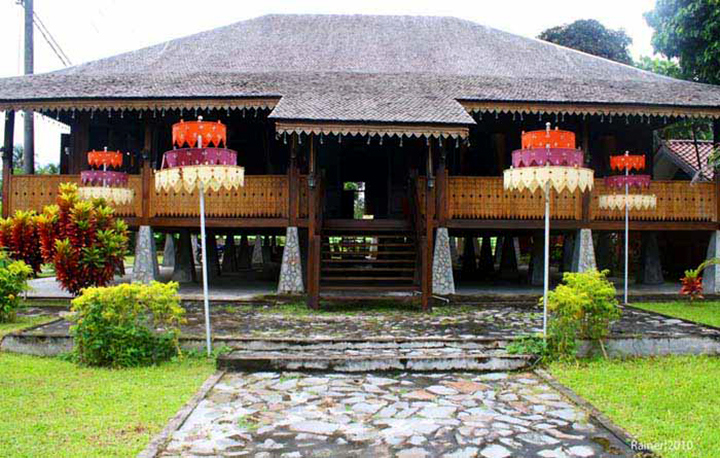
<point x="358" y="263"/>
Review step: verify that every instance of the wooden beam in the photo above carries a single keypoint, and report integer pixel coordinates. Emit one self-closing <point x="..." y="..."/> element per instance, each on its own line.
<point x="7" y="157"/>
<point x="716" y="143"/>
<point x="146" y="171"/>
<point x="314" y="242"/>
<point x="293" y="183"/>
<point x="441" y="186"/>
<point x="607" y="225"/>
<point x="80" y="141"/>
<point x="427" y="244"/>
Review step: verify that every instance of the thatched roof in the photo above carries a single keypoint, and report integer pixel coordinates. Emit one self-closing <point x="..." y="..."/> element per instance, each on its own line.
<point x="361" y="69"/>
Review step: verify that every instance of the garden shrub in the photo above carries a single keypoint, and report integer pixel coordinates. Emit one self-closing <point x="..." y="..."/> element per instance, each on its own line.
<point x="82" y="239"/>
<point x="19" y="236"/>
<point x="127" y="325"/>
<point x="582" y="307"/>
<point x="13" y="281"/>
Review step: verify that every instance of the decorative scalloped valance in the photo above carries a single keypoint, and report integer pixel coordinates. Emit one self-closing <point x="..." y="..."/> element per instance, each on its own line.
<point x="633" y="201"/>
<point x="373" y="130"/>
<point x="258" y="103"/>
<point x="529" y="108"/>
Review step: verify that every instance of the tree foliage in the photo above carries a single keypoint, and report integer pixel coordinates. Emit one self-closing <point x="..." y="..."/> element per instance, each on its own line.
<point x="689" y="30"/>
<point x="590" y="36"/>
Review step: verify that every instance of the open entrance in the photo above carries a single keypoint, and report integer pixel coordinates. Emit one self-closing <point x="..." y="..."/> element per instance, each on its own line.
<point x="353" y="201"/>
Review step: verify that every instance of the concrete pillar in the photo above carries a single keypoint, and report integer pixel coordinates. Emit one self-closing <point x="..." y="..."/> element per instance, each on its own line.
<point x="498" y="250"/>
<point x="486" y="263"/>
<point x="469" y="266"/>
<point x="650" y="269"/>
<point x="257" y="252"/>
<point x="145" y="268"/>
<point x="568" y="252"/>
<point x="509" y="259"/>
<point x="454" y="255"/>
<point x="213" y="261"/>
<point x="584" y="252"/>
<point x="245" y="255"/>
<point x="267" y="250"/>
<point x="442" y="273"/>
<point x="169" y="250"/>
<point x="711" y="274"/>
<point x="229" y="261"/>
<point x="184" y="270"/>
<point x="537" y="259"/>
<point x="604" y="251"/>
<point x="291" y="276"/>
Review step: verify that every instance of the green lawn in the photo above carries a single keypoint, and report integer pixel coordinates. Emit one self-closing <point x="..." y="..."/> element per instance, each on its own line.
<point x="658" y="400"/>
<point x="706" y="312"/>
<point x="22" y="322"/>
<point x="51" y="407"/>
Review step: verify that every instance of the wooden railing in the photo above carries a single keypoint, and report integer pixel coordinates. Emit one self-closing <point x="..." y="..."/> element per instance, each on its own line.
<point x="676" y="201"/>
<point x="34" y="192"/>
<point x="485" y="198"/>
<point x="263" y="196"/>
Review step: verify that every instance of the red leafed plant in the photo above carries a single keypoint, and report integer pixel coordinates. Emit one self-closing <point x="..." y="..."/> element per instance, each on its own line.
<point x="692" y="281"/>
<point x="83" y="239"/>
<point x="19" y="236"/>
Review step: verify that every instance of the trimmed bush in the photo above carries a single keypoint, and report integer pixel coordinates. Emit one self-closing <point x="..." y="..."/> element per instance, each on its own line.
<point x="583" y="307"/>
<point x="13" y="281"/>
<point x="127" y="325"/>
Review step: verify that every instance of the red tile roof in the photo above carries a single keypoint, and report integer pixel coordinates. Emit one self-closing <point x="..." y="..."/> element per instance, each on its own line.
<point x="684" y="152"/>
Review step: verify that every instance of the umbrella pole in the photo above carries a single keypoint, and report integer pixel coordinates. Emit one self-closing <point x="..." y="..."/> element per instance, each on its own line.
<point x="546" y="272"/>
<point x="627" y="233"/>
<point x="203" y="242"/>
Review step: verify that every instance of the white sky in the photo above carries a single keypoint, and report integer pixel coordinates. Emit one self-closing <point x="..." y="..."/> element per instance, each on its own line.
<point x="91" y="29"/>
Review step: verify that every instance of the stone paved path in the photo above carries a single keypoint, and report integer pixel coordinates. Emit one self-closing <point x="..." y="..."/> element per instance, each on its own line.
<point x="293" y="415"/>
<point x="487" y="321"/>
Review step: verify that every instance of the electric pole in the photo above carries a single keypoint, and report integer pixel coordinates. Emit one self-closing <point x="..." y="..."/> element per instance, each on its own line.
<point x="29" y="152"/>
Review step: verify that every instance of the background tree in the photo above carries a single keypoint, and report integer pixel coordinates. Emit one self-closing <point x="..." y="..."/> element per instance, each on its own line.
<point x="590" y="36"/>
<point x="689" y="30"/>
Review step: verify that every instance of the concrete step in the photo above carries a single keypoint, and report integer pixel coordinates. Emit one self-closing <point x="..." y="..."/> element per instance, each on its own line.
<point x="371" y="355"/>
<point x="425" y="360"/>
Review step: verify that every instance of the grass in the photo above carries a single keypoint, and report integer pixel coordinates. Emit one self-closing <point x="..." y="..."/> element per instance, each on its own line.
<point x="672" y="402"/>
<point x="22" y="322"/>
<point x="705" y="312"/>
<point x="50" y="407"/>
<point x="381" y="308"/>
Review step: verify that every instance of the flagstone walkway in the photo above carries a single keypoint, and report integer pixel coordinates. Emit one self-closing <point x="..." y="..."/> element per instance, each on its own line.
<point x="294" y="415"/>
<point x="466" y="322"/>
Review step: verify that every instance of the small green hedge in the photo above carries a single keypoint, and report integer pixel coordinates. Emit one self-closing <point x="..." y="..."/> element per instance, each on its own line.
<point x="127" y="325"/>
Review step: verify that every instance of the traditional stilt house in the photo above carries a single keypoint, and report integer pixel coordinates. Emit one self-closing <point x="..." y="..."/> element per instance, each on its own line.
<point x="373" y="143"/>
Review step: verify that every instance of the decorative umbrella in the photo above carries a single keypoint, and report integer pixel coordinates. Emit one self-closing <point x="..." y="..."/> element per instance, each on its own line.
<point x="105" y="184"/>
<point x="627" y="201"/>
<point x="548" y="160"/>
<point x="201" y="168"/>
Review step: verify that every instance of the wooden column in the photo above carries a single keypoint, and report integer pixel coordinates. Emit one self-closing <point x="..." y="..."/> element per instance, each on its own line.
<point x="586" y="196"/>
<point x="146" y="172"/>
<point x="716" y="142"/>
<point x="441" y="186"/>
<point x="293" y="184"/>
<point x="80" y="143"/>
<point x="427" y="238"/>
<point x="314" y="242"/>
<point x="7" y="156"/>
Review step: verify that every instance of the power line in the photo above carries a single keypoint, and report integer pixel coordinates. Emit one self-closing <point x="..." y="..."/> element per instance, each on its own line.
<point x="54" y="45"/>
